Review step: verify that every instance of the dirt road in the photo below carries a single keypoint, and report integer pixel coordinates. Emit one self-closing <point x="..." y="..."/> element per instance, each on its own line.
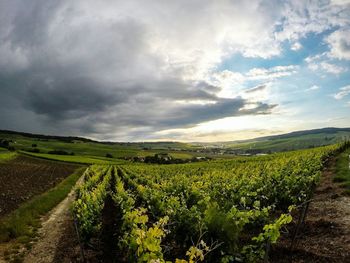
<point x="52" y="233"/>
<point x="325" y="237"/>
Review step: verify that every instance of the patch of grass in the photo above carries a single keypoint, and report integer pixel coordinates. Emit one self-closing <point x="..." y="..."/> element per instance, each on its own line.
<point x="76" y="158"/>
<point x="22" y="223"/>
<point x="342" y="170"/>
<point x="6" y="156"/>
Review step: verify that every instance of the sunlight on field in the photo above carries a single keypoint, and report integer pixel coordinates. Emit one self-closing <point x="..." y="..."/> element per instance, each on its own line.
<point x="5" y="156"/>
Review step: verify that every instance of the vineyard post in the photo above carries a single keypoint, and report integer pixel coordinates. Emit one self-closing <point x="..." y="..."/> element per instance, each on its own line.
<point x="300" y="221"/>
<point x="305" y="211"/>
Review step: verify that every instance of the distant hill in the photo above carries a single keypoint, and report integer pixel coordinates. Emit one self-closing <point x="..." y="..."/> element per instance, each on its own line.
<point x="330" y="131"/>
<point x="45" y="137"/>
<point x="268" y="144"/>
<point x="8" y="134"/>
<point x="290" y="141"/>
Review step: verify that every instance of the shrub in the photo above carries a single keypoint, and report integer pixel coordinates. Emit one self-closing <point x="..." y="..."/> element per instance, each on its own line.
<point x="108" y="155"/>
<point x="11" y="148"/>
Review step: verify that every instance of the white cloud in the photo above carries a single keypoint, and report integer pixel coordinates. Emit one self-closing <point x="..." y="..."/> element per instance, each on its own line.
<point x="313" y="66"/>
<point x="313" y="87"/>
<point x="339" y="43"/>
<point x="340" y="2"/>
<point x="271" y="73"/>
<point x="343" y="92"/>
<point x="332" y="68"/>
<point x="235" y="80"/>
<point x="314" y="58"/>
<point x="296" y="46"/>
<point x="303" y="17"/>
<point x="324" y="63"/>
<point x="227" y="77"/>
<point x="327" y="67"/>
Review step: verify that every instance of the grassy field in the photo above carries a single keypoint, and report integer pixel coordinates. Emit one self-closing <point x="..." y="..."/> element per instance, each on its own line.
<point x="343" y="170"/>
<point x="80" y="159"/>
<point x="6" y="155"/>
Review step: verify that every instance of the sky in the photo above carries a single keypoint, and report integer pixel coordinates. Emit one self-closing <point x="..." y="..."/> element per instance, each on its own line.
<point x="184" y="70"/>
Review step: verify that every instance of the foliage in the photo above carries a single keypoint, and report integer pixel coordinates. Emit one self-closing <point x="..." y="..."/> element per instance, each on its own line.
<point x="236" y="206"/>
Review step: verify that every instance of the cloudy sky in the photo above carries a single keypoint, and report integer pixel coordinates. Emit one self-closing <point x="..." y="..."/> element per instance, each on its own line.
<point x="189" y="70"/>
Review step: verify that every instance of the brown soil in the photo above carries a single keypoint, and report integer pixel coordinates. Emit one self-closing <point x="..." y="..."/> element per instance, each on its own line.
<point x="325" y="236"/>
<point x="24" y="177"/>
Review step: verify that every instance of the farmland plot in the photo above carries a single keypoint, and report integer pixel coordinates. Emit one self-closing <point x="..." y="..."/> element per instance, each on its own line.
<point x="24" y="177"/>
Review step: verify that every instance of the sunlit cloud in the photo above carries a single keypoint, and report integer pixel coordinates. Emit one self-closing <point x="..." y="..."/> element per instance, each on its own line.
<point x="343" y="92"/>
<point x="339" y="42"/>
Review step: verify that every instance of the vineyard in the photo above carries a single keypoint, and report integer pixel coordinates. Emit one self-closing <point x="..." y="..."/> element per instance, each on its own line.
<point x="216" y="211"/>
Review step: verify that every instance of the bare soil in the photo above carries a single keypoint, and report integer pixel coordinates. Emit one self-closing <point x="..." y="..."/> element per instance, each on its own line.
<point x="325" y="236"/>
<point x="24" y="177"/>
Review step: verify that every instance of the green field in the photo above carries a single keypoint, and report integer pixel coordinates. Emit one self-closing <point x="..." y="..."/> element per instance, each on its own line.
<point x="92" y="152"/>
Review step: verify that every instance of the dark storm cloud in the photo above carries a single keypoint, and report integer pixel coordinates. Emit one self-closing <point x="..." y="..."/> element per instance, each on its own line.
<point x="193" y="114"/>
<point x="67" y="67"/>
<point x="70" y="98"/>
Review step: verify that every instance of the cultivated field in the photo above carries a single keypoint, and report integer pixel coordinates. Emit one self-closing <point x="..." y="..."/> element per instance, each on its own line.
<point x="219" y="211"/>
<point x="239" y="209"/>
<point x="23" y="177"/>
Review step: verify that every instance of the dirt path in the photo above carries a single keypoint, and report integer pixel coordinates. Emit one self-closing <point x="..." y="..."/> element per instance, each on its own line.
<point x="327" y="228"/>
<point x="52" y="232"/>
<point x="325" y="236"/>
